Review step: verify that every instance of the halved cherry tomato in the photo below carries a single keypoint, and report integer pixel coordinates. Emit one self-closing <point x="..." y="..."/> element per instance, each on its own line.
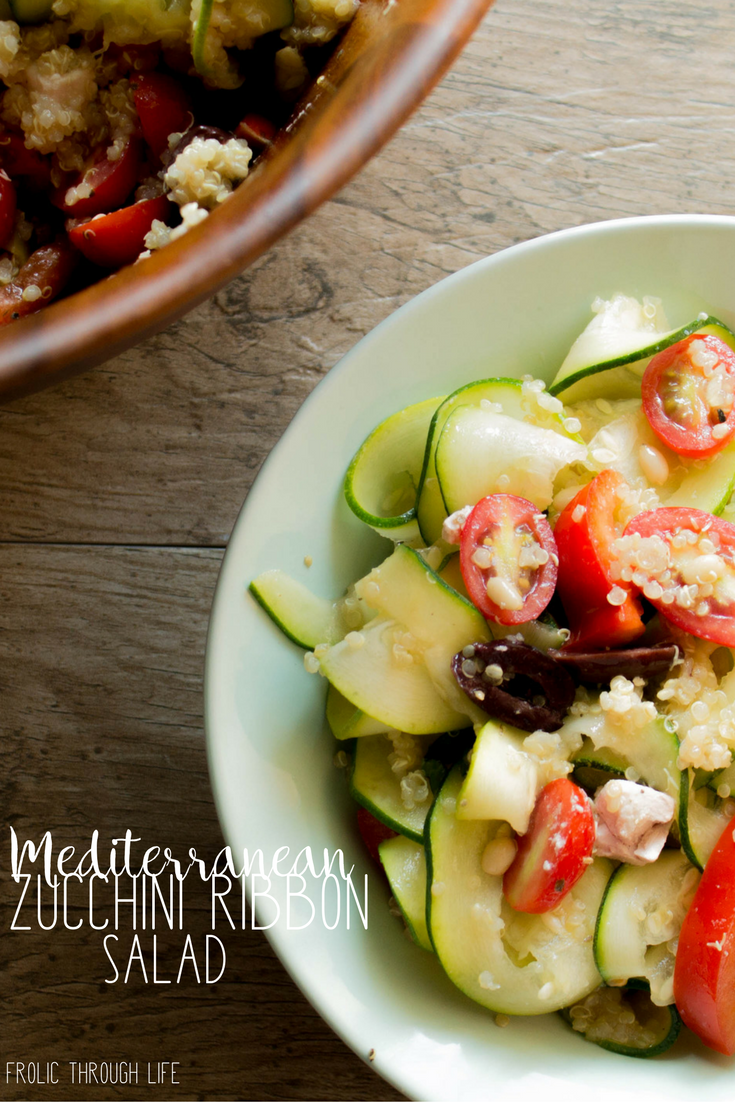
<point x="583" y="533"/>
<point x="257" y="131"/>
<point x="110" y="182"/>
<point x="49" y="269"/>
<point x="7" y="208"/>
<point x="115" y="239"/>
<point x="508" y="559"/>
<point x="704" y="973"/>
<point x="163" y="108"/>
<point x="17" y="160"/>
<point x="372" y="832"/>
<point x="688" y="393"/>
<point x="555" y="850"/>
<point x="699" y="558"/>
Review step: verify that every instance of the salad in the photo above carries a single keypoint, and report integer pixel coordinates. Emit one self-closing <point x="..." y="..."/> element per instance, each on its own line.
<point x="124" y="124"/>
<point x="534" y="692"/>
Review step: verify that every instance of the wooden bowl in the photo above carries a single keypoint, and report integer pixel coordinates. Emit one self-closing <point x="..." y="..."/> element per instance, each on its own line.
<point x="393" y="53"/>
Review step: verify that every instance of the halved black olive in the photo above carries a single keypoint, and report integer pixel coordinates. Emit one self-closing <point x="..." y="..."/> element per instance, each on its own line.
<point x="598" y="667"/>
<point x="516" y="683"/>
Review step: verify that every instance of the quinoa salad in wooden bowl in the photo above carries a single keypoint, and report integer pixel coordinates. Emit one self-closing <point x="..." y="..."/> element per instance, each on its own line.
<point x="125" y="127"/>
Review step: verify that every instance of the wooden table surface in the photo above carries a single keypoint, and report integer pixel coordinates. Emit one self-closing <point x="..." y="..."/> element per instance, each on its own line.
<point x="119" y="488"/>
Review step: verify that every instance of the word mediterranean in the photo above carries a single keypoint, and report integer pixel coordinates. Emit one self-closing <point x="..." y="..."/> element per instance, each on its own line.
<point x="144" y="893"/>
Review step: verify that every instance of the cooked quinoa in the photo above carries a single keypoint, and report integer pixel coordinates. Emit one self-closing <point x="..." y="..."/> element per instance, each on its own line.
<point x="206" y="171"/>
<point x="160" y="234"/>
<point x="52" y="89"/>
<point x="609" y="1015"/>
<point x="291" y="72"/>
<point x="702" y="708"/>
<point x="317" y="21"/>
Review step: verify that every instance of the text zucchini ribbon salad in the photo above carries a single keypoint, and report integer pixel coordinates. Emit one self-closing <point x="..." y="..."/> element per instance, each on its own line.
<point x="534" y="692"/>
<point x="123" y="123"/>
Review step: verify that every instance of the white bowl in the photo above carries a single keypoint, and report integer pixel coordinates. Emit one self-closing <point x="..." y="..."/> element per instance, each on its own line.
<point x="270" y="752"/>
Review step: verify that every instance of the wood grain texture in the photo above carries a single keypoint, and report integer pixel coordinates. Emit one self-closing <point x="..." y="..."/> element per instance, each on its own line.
<point x="119" y="488"/>
<point x="102" y="729"/>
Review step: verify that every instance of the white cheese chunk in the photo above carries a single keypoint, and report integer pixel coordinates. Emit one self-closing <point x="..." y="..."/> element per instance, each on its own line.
<point x="453" y="525"/>
<point x="632" y="821"/>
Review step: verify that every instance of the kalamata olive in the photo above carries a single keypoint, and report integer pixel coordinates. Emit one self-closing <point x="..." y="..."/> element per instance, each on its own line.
<point x="516" y="683"/>
<point x="598" y="667"/>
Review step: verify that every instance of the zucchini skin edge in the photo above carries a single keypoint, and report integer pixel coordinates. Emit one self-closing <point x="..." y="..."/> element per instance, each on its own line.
<point x="626" y="1050"/>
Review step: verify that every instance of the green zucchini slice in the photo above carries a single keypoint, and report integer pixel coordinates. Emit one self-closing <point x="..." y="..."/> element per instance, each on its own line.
<point x="405" y="588"/>
<point x="511" y="963"/>
<point x="618" y="372"/>
<point x="709" y="489"/>
<point x="411" y="690"/>
<point x="438" y="619"/>
<point x="27" y="11"/>
<point x="375" y="786"/>
<point x="641" y="913"/>
<point x="652" y="751"/>
<point x="400" y="696"/>
<point x="450" y="572"/>
<point x="199" y="36"/>
<point x="502" y="778"/>
<point x="404" y="862"/>
<point x="593" y="768"/>
<point x="543" y="634"/>
<point x="716" y="779"/>
<point x="380" y="484"/>
<point x="346" y="721"/>
<point x="702" y="818"/>
<point x="624" y="1020"/>
<point x="307" y="620"/>
<point x="505" y="393"/>
<point x="481" y="451"/>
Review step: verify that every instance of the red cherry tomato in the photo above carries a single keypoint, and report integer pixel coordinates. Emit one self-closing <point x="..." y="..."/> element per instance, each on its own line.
<point x="110" y="182"/>
<point x="163" y="108"/>
<point x="699" y="556"/>
<point x="48" y="268"/>
<point x="704" y="974"/>
<point x="113" y="240"/>
<point x="372" y="832"/>
<point x="257" y="131"/>
<point x="554" y="852"/>
<point x="583" y="533"/>
<point x="508" y="559"/>
<point x="7" y="208"/>
<point x="688" y="393"/>
<point x="28" y="163"/>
